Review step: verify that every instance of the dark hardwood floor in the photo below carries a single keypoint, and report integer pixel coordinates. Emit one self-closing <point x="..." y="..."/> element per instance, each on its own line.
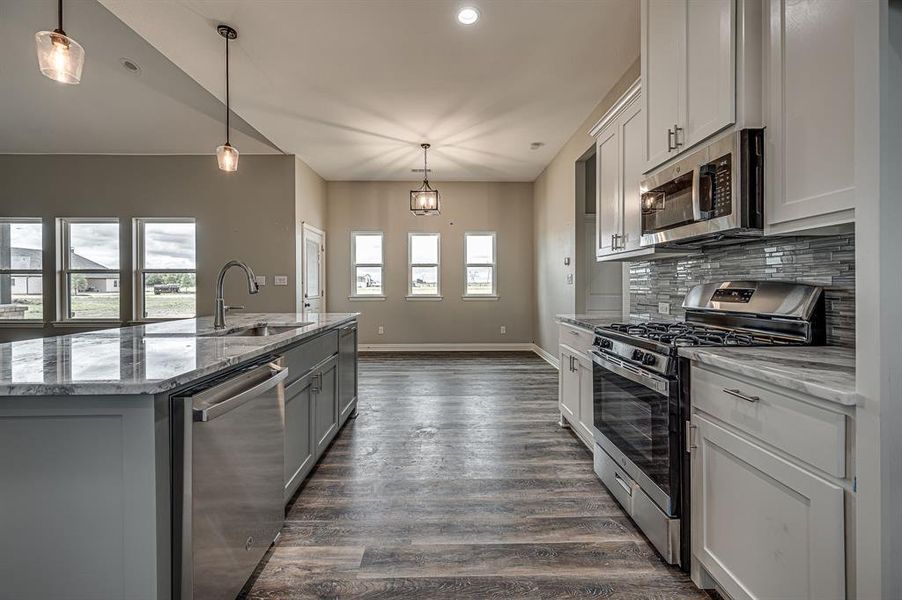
<point x="456" y="481"/>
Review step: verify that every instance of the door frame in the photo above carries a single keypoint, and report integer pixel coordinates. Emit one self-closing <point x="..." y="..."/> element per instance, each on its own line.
<point x="302" y="262"/>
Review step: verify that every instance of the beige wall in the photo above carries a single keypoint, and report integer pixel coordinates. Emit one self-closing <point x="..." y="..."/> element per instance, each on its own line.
<point x="249" y="215"/>
<point x="383" y="206"/>
<point x="309" y="208"/>
<point x="554" y="222"/>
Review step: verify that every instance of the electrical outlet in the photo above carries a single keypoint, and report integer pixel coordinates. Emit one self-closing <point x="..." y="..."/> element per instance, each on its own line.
<point x="280" y="279"/>
<point x="503" y="330"/>
<point x="261" y="280"/>
<point x="569" y="278"/>
<point x="381" y="330"/>
<point x="664" y="308"/>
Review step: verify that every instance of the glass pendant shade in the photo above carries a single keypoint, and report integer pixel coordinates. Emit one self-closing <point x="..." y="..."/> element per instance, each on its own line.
<point x="60" y="57"/>
<point x="424" y="201"/>
<point x="227" y="156"/>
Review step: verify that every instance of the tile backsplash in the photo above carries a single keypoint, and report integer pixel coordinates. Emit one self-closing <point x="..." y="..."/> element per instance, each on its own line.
<point x="825" y="261"/>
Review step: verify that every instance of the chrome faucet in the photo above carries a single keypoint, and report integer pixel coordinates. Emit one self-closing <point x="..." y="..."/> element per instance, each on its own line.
<point x="221" y="308"/>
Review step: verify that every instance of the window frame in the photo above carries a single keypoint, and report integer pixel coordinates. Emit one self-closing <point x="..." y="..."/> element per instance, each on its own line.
<point x="64" y="308"/>
<point x="438" y="266"/>
<point x="354" y="266"/>
<point x="139" y="308"/>
<point x="494" y="266"/>
<point x="28" y="273"/>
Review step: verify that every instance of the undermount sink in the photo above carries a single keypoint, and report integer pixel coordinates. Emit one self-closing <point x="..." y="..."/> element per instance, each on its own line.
<point x="258" y="330"/>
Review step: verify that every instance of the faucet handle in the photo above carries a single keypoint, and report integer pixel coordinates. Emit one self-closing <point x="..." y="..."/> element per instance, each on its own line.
<point x="234" y="307"/>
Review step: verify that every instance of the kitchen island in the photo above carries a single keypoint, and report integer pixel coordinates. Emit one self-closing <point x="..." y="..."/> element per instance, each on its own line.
<point x="91" y="480"/>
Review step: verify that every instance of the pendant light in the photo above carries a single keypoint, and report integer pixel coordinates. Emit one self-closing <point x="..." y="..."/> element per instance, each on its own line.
<point x="60" y="57"/>
<point x="425" y="200"/>
<point x="227" y="155"/>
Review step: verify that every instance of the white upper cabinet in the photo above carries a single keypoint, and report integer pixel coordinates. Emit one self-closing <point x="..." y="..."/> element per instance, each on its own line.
<point x="688" y="73"/>
<point x="809" y="100"/>
<point x="663" y="40"/>
<point x="607" y="212"/>
<point x="632" y="131"/>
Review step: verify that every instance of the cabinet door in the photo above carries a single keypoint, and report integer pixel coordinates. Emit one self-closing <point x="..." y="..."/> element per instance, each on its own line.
<point x="298" y="439"/>
<point x="347" y="370"/>
<point x="585" y="399"/>
<point x="607" y="212"/>
<point x="710" y="86"/>
<point x="663" y="66"/>
<point x="568" y="389"/>
<point x="632" y="134"/>
<point x="810" y="113"/>
<point x="761" y="526"/>
<point x="325" y="405"/>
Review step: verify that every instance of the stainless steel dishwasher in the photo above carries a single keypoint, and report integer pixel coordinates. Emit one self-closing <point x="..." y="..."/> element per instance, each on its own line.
<point x="228" y="440"/>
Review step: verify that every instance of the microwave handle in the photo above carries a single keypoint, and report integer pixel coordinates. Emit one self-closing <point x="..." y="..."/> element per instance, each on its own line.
<point x="696" y="195"/>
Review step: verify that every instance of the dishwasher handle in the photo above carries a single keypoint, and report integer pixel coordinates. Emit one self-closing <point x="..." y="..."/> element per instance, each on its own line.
<point x="214" y="407"/>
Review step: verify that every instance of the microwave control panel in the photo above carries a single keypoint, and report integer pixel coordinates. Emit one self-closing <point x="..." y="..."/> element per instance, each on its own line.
<point x="716" y="187"/>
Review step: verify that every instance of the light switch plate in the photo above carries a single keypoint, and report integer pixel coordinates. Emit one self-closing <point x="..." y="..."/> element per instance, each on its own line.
<point x="569" y="278"/>
<point x="280" y="279"/>
<point x="381" y="330"/>
<point x="261" y="280"/>
<point x="664" y="308"/>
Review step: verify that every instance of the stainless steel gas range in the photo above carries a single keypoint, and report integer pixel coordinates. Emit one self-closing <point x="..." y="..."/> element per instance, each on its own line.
<point x="641" y="393"/>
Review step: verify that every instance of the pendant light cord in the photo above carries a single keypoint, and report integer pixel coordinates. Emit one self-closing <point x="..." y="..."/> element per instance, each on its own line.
<point x="60" y="5"/>
<point x="228" y="102"/>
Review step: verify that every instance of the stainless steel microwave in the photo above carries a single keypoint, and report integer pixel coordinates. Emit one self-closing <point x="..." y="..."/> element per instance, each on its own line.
<point x="715" y="194"/>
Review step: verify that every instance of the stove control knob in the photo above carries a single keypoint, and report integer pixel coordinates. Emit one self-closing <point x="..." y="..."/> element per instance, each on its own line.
<point x="638" y="355"/>
<point x="649" y="359"/>
<point x="605" y="343"/>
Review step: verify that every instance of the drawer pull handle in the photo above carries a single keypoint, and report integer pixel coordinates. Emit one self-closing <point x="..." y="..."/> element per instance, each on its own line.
<point x="626" y="487"/>
<point x="741" y="396"/>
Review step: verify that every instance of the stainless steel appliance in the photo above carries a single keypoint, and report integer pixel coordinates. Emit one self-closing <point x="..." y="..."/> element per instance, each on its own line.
<point x="641" y="392"/>
<point x="714" y="194"/>
<point x="228" y="440"/>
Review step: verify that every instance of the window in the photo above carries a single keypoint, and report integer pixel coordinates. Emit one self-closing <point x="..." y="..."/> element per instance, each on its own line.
<point x="424" y="272"/>
<point x="21" y="275"/>
<point x="89" y="269"/>
<point x="165" y="269"/>
<point x="481" y="268"/>
<point x="366" y="252"/>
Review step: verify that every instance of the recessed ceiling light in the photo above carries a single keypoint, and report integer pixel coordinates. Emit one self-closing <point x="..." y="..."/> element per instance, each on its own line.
<point x="467" y="15"/>
<point x="130" y="66"/>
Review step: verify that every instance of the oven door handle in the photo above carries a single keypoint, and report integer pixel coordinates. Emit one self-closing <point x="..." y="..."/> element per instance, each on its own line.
<point x="652" y="382"/>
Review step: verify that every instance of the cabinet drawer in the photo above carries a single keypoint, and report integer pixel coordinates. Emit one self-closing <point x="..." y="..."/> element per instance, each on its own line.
<point x="577" y="338"/>
<point x="617" y="481"/>
<point x="810" y="433"/>
<point x="309" y="353"/>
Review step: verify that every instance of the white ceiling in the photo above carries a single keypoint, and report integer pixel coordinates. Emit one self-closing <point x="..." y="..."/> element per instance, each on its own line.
<point x="354" y="86"/>
<point x="161" y="111"/>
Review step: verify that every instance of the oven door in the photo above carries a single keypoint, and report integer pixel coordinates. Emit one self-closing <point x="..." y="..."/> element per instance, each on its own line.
<point x="636" y="417"/>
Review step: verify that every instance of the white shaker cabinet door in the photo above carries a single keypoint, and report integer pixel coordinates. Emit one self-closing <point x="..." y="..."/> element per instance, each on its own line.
<point x="761" y="526"/>
<point x="710" y="89"/>
<point x="632" y="132"/>
<point x="810" y="114"/>
<point x="663" y="41"/>
<point x="569" y="386"/>
<point x="607" y="213"/>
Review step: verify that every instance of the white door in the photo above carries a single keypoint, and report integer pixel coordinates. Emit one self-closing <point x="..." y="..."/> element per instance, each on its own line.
<point x="710" y="89"/>
<point x="762" y="526"/>
<point x="313" y="261"/>
<point x="810" y="110"/>
<point x="663" y="64"/>
<point x="607" y="212"/>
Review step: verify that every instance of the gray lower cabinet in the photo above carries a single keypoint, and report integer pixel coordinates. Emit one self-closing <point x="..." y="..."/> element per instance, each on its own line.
<point x="325" y="404"/>
<point x="299" y="451"/>
<point x="347" y="371"/>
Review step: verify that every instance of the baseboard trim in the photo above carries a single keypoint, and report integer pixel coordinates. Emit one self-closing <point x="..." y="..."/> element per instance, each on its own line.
<point x="490" y="347"/>
<point x="546" y="356"/>
<point x="512" y="347"/>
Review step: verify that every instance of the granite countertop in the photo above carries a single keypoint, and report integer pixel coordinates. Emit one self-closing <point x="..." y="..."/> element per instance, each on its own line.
<point x="589" y="322"/>
<point x="145" y="359"/>
<point x="826" y="372"/>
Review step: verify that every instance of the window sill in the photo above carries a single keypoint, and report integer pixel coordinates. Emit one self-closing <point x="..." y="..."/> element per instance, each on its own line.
<point x="373" y="298"/>
<point x="88" y="323"/>
<point x="491" y="298"/>
<point x="425" y="298"/>
<point x="21" y="323"/>
<point x="161" y="320"/>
